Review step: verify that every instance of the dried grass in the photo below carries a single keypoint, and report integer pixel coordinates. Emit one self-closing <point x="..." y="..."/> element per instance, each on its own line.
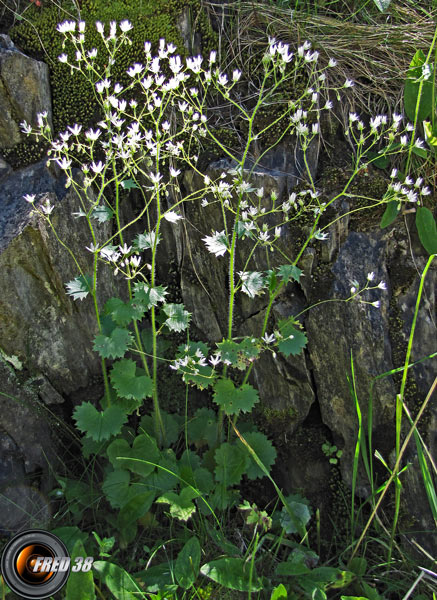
<point x="375" y="56"/>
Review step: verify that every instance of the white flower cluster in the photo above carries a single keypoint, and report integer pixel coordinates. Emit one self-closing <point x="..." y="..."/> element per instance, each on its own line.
<point x="190" y="363"/>
<point x="357" y="291"/>
<point x="407" y="191"/>
<point x="121" y="258"/>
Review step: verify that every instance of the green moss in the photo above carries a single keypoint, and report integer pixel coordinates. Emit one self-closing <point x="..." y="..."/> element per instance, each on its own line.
<point x="279" y="417"/>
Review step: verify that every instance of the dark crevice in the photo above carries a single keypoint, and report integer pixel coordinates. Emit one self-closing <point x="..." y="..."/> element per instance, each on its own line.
<point x="314" y="416"/>
<point x="254" y="314"/>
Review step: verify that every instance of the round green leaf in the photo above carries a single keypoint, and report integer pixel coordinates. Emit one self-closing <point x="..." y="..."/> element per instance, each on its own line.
<point x="232" y="461"/>
<point x="427" y="230"/>
<point x="232" y="573"/>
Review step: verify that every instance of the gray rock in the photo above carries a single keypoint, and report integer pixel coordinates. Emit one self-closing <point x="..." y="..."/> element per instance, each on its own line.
<point x="27" y="455"/>
<point x="48" y="332"/>
<point x="5" y="169"/>
<point x="338" y="329"/>
<point x="24" y="92"/>
<point x="23" y="507"/>
<point x="192" y="39"/>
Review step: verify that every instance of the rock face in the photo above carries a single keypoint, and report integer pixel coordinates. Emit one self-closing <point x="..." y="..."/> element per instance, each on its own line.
<point x="339" y="331"/>
<point x="24" y="92"/>
<point x="26" y="451"/>
<point x="39" y="323"/>
<point x="45" y="338"/>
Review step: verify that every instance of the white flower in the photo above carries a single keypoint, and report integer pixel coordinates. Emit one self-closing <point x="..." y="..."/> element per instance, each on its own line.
<point x="393" y="173"/>
<point x="311" y="57"/>
<point x="212" y="57"/>
<point x="100" y="27"/>
<point x="66" y="26"/>
<point x="348" y="83"/>
<point x="102" y="85"/>
<point x="41" y="117"/>
<point x="298" y="115"/>
<point x="63" y="58"/>
<point x="125" y="249"/>
<point x="64" y="163"/>
<point x="135" y="261"/>
<point x="92" y="248"/>
<point x="425" y="191"/>
<point x="97" y="167"/>
<point x="154" y="65"/>
<point x="112" y="30"/>
<point x="155" y="177"/>
<point x="92" y="53"/>
<point x="376" y="304"/>
<point x="268" y="339"/>
<point x="404" y="140"/>
<point x="125" y="26"/>
<point x="92" y="135"/>
<point x="264" y="237"/>
<point x="174" y="172"/>
<point x="76" y="129"/>
<point x="353" y="289"/>
<point x="236" y="74"/>
<point x="419" y="182"/>
<point x="47" y="208"/>
<point x="172" y="216"/>
<point x="328" y="105"/>
<point x="332" y="62"/>
<point x="370" y="276"/>
<point x="26" y="127"/>
<point x="216" y="243"/>
<point x="214" y="360"/>
<point x="29" y="198"/>
<point x="302" y="129"/>
<point x="382" y="285"/>
<point x="135" y="69"/>
<point x="418" y="143"/>
<point x="194" y="63"/>
<point x="175" y="64"/>
<point x="223" y="79"/>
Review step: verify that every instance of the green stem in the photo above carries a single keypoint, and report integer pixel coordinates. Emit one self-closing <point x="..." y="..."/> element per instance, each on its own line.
<point x="399" y="404"/>
<point x="158" y="424"/>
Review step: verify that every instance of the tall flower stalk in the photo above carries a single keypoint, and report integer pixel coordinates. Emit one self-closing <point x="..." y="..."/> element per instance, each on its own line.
<point x="150" y="129"/>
